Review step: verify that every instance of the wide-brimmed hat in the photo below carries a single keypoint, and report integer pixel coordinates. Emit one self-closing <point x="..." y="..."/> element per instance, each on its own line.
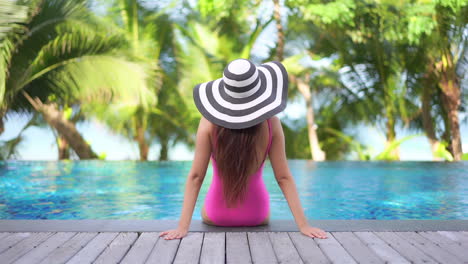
<point x="246" y="95"/>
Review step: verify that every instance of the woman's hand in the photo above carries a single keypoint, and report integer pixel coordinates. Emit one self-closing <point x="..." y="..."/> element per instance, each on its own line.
<point x="313" y="232"/>
<point x="174" y="233"/>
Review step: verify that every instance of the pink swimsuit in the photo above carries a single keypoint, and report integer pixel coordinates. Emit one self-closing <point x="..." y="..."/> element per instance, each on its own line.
<point x="256" y="206"/>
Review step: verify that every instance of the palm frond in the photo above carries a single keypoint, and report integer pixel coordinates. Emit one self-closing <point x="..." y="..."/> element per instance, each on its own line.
<point x="99" y="79"/>
<point x="12" y="15"/>
<point x="10" y="148"/>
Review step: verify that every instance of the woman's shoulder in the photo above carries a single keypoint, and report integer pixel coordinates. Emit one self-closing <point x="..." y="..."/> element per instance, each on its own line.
<point x="205" y="123"/>
<point x="275" y="123"/>
<point x="275" y="119"/>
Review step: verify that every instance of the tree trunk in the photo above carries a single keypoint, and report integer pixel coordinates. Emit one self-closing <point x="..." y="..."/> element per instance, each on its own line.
<point x="391" y="136"/>
<point x="390" y="133"/>
<point x="66" y="129"/>
<point x="446" y="135"/>
<point x="164" y="153"/>
<point x="316" y="151"/>
<point x="279" y="29"/>
<point x="428" y="121"/>
<point x="142" y="145"/>
<point x="63" y="148"/>
<point x="2" y="124"/>
<point x="450" y="86"/>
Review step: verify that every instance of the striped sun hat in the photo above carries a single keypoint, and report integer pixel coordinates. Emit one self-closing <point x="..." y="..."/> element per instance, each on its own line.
<point x="246" y="95"/>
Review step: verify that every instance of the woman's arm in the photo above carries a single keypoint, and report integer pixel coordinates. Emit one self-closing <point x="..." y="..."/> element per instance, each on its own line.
<point x="194" y="180"/>
<point x="286" y="182"/>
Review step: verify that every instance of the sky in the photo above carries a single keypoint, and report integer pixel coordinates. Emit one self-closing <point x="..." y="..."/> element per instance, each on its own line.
<point x="39" y="143"/>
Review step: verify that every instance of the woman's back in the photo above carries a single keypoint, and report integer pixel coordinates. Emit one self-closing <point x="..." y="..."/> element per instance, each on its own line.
<point x="255" y="208"/>
<point x="245" y="97"/>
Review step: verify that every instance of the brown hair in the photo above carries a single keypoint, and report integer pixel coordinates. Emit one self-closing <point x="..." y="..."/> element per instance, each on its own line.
<point x="234" y="153"/>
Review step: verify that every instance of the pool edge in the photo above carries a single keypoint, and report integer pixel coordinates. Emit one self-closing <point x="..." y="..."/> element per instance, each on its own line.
<point x="198" y="226"/>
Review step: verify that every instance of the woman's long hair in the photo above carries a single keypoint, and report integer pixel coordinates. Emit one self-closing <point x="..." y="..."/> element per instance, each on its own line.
<point x="235" y="153"/>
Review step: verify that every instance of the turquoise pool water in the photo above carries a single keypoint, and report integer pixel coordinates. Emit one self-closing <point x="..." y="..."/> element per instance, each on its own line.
<point x="154" y="190"/>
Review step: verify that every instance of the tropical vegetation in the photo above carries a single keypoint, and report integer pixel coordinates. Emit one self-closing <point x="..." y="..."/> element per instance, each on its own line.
<point x="132" y="65"/>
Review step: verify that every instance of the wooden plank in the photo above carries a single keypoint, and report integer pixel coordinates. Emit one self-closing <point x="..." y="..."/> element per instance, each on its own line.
<point x="22" y="247"/>
<point x="92" y="250"/>
<point x="308" y="248"/>
<point x="455" y="236"/>
<point x="284" y="248"/>
<point x="213" y="248"/>
<point x="358" y="250"/>
<point x="164" y="251"/>
<point x="261" y="248"/>
<point x="428" y="247"/>
<point x="237" y="248"/>
<point x="403" y="247"/>
<point x="334" y="250"/>
<point x="381" y="248"/>
<point x="450" y="245"/>
<point x="45" y="248"/>
<point x="12" y="239"/>
<point x="141" y="249"/>
<point x="437" y="238"/>
<point x="189" y="248"/>
<point x="69" y="248"/>
<point x="4" y="234"/>
<point x="117" y="248"/>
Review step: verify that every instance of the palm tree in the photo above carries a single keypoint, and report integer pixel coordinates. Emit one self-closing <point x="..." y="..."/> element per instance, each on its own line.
<point x="370" y="58"/>
<point x="445" y="44"/>
<point x="150" y="34"/>
<point x="62" y="55"/>
<point x="12" y="16"/>
<point x="301" y="79"/>
<point x="202" y="54"/>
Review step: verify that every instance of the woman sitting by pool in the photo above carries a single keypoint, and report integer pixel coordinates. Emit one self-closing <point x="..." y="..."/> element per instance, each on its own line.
<point x="238" y="129"/>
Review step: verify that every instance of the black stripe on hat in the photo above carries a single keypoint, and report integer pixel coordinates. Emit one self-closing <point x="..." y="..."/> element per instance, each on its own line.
<point x="240" y="77"/>
<point x="231" y="112"/>
<point x="236" y="89"/>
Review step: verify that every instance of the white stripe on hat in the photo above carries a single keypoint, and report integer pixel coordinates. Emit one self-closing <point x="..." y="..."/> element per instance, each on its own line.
<point x="242" y="119"/>
<point x="236" y="94"/>
<point x="239" y="66"/>
<point x="241" y="83"/>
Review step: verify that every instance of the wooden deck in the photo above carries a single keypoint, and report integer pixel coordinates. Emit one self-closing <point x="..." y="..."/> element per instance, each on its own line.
<point x="234" y="247"/>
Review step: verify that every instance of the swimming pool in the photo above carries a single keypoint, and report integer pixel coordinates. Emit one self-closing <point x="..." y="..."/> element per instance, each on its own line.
<point x="154" y="190"/>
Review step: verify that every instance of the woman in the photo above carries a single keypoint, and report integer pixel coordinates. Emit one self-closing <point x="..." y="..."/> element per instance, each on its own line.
<point x="238" y="129"/>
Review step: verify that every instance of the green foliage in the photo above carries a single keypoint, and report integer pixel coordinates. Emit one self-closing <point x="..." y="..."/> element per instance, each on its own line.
<point x="364" y="152"/>
<point x="465" y="156"/>
<point x="386" y="154"/>
<point x="442" y="152"/>
<point x="68" y="54"/>
<point x="12" y="15"/>
<point x="67" y="113"/>
<point x="9" y="149"/>
<point x="297" y="146"/>
<point x="137" y="68"/>
<point x="231" y="18"/>
<point x="341" y="12"/>
<point x="102" y="156"/>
